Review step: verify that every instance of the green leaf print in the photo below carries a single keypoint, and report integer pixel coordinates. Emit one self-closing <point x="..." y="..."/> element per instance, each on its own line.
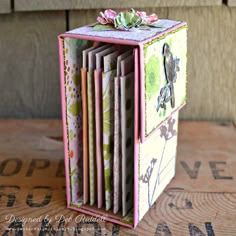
<point x="107" y="180"/>
<point x="152" y="77"/>
<point x="103" y="27"/>
<point x="107" y="151"/>
<point x="106" y="111"/>
<point x="76" y="78"/>
<point x="72" y="172"/>
<point x="71" y="135"/>
<point x="75" y="108"/>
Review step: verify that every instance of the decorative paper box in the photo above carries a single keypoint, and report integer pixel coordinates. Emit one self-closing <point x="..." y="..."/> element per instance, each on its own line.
<point x="159" y="92"/>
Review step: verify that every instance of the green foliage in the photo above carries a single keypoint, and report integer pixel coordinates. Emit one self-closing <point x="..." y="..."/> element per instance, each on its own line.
<point x="99" y="27"/>
<point x="75" y="108"/>
<point x="127" y="20"/>
<point x="152" y="77"/>
<point x="107" y="180"/>
<point x="76" y="78"/>
<point x="71" y="135"/>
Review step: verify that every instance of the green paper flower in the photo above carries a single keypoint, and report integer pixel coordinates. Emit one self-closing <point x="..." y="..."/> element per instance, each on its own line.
<point x="127" y="20"/>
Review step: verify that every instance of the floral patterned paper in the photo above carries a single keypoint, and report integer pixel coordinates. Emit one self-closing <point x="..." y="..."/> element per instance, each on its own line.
<point x="91" y="134"/>
<point x="117" y="136"/>
<point x="127" y="140"/>
<point x="108" y="117"/>
<point x="72" y="64"/>
<point x="157" y="156"/>
<point x="155" y="78"/>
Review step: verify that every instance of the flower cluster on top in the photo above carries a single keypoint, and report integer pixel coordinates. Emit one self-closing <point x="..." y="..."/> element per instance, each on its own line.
<point x="126" y="20"/>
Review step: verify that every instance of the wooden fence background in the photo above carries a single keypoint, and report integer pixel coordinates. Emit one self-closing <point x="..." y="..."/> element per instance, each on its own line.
<point x="29" y="73"/>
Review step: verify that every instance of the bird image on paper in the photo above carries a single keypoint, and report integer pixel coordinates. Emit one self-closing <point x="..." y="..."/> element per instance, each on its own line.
<point x="171" y="66"/>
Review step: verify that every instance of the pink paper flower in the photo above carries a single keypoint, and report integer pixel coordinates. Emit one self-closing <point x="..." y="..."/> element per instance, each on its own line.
<point x="147" y="20"/>
<point x="141" y="14"/>
<point x="107" y="17"/>
<point x="126" y="20"/>
<point x="153" y="18"/>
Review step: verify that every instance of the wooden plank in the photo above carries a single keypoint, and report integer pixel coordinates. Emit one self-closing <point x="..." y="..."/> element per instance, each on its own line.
<point x="211" y="56"/>
<point x="5" y="6"/>
<point x="203" y="156"/>
<point x="29" y="64"/>
<point x="35" y="189"/>
<point x="231" y="3"/>
<point x="38" y="5"/>
<point x="177" y="214"/>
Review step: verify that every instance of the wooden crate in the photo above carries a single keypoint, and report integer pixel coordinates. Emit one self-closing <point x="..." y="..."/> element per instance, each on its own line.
<point x="200" y="200"/>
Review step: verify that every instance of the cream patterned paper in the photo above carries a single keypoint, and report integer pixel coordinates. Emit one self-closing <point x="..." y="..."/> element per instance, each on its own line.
<point x="157" y="156"/>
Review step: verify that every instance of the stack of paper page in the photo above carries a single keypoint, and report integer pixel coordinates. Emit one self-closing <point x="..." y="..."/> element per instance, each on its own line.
<point x="107" y="77"/>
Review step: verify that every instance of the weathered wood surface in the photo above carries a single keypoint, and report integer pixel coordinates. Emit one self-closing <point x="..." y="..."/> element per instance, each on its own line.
<point x="29" y="68"/>
<point x="231" y="3"/>
<point x="199" y="201"/>
<point x="29" y="73"/>
<point x="211" y="57"/>
<point x="37" y="5"/>
<point x="5" y="6"/>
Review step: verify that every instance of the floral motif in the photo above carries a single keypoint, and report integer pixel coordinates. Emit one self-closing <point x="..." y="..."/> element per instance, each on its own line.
<point x="126" y="20"/>
<point x="167" y="131"/>
<point x="107" y="17"/>
<point x="147" y="20"/>
<point x="171" y="65"/>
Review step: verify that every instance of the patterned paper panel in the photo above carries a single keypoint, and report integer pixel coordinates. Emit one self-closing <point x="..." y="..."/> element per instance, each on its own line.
<point x="98" y="128"/>
<point x="157" y="157"/>
<point x="157" y="74"/>
<point x="117" y="136"/>
<point x="108" y="121"/>
<point x="91" y="134"/>
<point x="91" y="121"/>
<point x="127" y="140"/>
<point x="73" y="58"/>
<point x="135" y="35"/>
<point x="85" y="136"/>
<point x="117" y="149"/>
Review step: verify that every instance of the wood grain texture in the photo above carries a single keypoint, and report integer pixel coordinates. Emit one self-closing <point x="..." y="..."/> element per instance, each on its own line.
<point x="31" y="89"/>
<point x="5" y="6"/>
<point x="231" y="3"/>
<point x="38" y="5"/>
<point x="35" y="189"/>
<point x="211" y="57"/>
<point x="29" y="70"/>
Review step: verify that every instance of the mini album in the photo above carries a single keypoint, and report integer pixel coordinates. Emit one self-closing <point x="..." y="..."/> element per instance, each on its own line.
<point x="123" y="82"/>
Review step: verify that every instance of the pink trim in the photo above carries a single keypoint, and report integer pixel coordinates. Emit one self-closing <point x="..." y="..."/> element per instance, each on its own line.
<point x="100" y="211"/>
<point x="98" y="128"/>
<point x="100" y="39"/>
<point x="142" y="81"/>
<point x="142" y="95"/>
<point x="63" y="108"/>
<point x="100" y="215"/>
<point x="136" y="135"/>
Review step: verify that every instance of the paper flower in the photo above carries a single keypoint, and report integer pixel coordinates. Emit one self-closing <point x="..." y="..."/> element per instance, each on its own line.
<point x="107" y="17"/>
<point x="126" y="20"/>
<point x="147" y="20"/>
